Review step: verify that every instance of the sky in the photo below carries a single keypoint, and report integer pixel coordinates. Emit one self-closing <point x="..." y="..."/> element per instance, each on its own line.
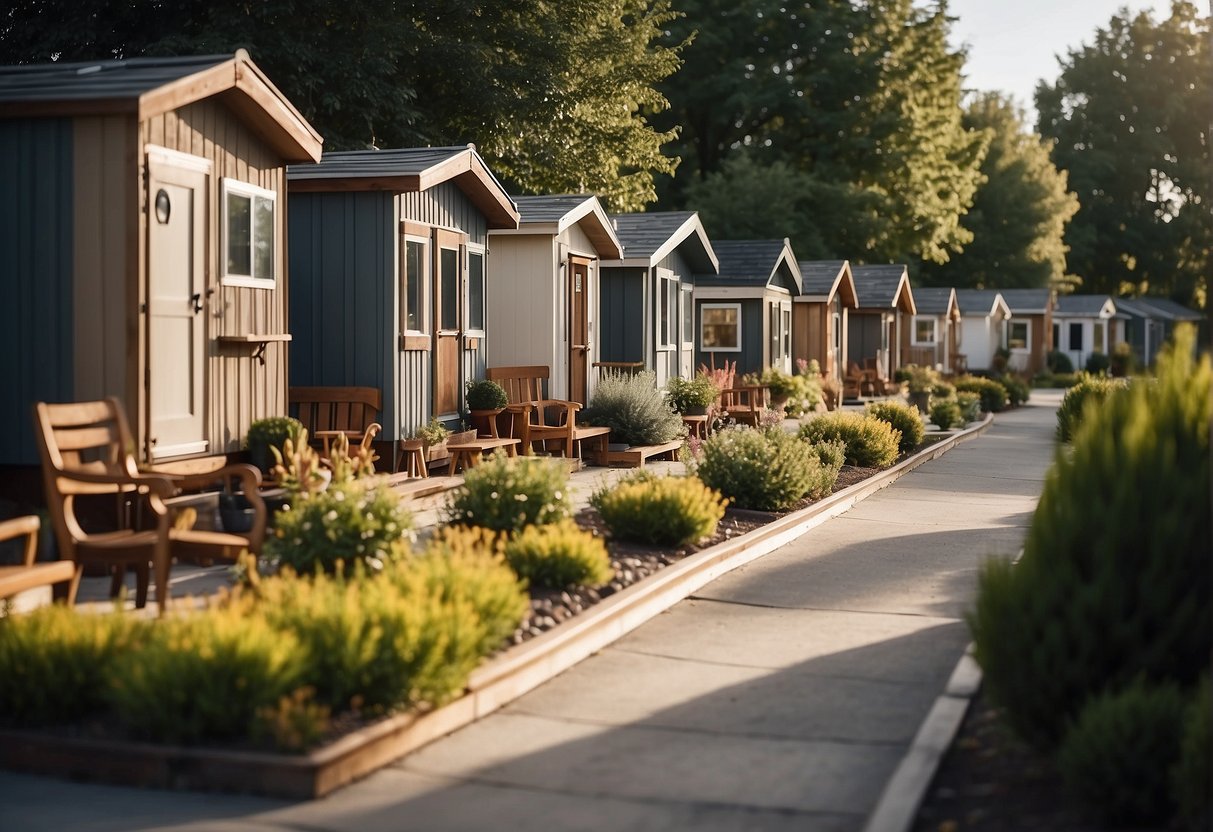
<point x="1015" y="43"/>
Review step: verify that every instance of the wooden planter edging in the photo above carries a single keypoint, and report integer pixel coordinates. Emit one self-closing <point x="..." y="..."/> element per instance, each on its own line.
<point x="491" y="686"/>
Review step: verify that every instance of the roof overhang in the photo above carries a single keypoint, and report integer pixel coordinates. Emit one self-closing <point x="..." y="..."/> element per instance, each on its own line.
<point x="787" y="259"/>
<point x="842" y="288"/>
<point x="690" y="233"/>
<point x="903" y="297"/>
<point x="592" y="218"/>
<point x="739" y="292"/>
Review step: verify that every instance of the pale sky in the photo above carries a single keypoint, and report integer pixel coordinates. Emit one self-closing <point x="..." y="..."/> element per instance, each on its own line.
<point x="1015" y="43"/>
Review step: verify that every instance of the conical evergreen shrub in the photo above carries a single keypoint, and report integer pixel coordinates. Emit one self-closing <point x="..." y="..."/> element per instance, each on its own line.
<point x="1114" y="582"/>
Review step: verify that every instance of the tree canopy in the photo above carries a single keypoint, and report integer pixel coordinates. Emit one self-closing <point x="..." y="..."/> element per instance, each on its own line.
<point x="555" y="93"/>
<point x="1127" y="119"/>
<point x="1019" y="213"/>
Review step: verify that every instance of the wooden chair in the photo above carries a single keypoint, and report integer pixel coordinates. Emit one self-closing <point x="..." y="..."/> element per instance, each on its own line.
<point x="15" y="579"/>
<point x="745" y="404"/>
<point x="534" y="418"/>
<point x="327" y="412"/>
<point x="86" y="449"/>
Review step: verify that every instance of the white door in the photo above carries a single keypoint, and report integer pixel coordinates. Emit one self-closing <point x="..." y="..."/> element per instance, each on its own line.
<point x="176" y="298"/>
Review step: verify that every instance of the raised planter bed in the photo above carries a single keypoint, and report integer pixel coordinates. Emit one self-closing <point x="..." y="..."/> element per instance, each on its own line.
<point x="499" y="681"/>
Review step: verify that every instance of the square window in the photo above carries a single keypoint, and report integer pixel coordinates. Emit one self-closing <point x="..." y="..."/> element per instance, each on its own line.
<point x="1018" y="333"/>
<point x="924" y="331"/>
<point x="249" y="228"/>
<point x="720" y="327"/>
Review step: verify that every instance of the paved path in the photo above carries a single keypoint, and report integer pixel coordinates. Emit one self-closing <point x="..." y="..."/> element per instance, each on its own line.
<point x="782" y="696"/>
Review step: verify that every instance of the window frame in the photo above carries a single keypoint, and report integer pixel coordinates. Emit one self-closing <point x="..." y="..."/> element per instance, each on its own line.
<point x="706" y="307"/>
<point x="686" y="317"/>
<point x="236" y="187"/>
<point x="665" y="313"/>
<point x="422" y="237"/>
<point x="458" y="251"/>
<point x="924" y="319"/>
<point x="1076" y="327"/>
<point x="481" y="251"/>
<point x="1027" y="341"/>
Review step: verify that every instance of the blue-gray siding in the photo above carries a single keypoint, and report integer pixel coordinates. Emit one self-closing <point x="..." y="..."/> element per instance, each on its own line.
<point x="751" y="359"/>
<point x="36" y="275"/>
<point x="622" y="315"/>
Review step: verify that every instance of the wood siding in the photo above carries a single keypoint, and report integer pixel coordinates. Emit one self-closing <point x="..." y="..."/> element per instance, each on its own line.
<point x="36" y="319"/>
<point x="445" y="206"/>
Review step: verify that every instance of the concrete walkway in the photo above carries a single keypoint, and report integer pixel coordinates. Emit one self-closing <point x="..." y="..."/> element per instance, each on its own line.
<point x="782" y="696"/>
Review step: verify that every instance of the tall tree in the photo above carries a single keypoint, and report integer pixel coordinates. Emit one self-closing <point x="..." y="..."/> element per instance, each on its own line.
<point x="555" y="94"/>
<point x="862" y="96"/>
<point x="1019" y="213"/>
<point x="1127" y="118"/>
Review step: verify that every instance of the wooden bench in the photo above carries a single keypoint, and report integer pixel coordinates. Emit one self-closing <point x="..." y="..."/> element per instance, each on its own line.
<point x="30" y="575"/>
<point x="637" y="455"/>
<point x="534" y="418"/>
<point x="329" y="412"/>
<point x="745" y="404"/>
<point x="468" y="454"/>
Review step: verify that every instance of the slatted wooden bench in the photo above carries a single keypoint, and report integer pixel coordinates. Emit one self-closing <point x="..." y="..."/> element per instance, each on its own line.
<point x="30" y="575"/>
<point x="534" y="418"/>
<point x="327" y="412"/>
<point x="637" y="455"/>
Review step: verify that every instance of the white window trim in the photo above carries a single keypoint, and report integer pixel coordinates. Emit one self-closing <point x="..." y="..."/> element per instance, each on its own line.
<point x="426" y="281"/>
<point x="468" y="330"/>
<point x="785" y="328"/>
<point x="686" y="304"/>
<point x="1028" y="334"/>
<point x="235" y="186"/>
<point x="934" y="331"/>
<point x="703" y="307"/>
<point x="666" y="336"/>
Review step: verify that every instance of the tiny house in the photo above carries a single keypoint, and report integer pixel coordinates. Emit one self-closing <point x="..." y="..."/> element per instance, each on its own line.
<point x="885" y="304"/>
<point x="1028" y="333"/>
<point x="1149" y="322"/>
<point x="933" y="334"/>
<point x="1084" y="325"/>
<point x="744" y="312"/>
<point x="143" y="208"/>
<point x="390" y="274"/>
<point x="542" y="304"/>
<point x="983" y="314"/>
<point x="645" y="299"/>
<point x="820" y="313"/>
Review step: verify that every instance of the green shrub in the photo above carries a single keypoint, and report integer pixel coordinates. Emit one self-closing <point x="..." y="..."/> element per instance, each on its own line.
<point x="767" y="470"/>
<point x="484" y="394"/>
<point x="1018" y="391"/>
<point x="993" y="395"/>
<point x="202" y="676"/>
<point x="1114" y="580"/>
<point x="943" y="390"/>
<point x="945" y="413"/>
<point x="558" y="555"/>
<point x="1118" y="754"/>
<point x="829" y="456"/>
<point x="903" y="417"/>
<point x="690" y="394"/>
<point x="1122" y="361"/>
<point x="831" y="453"/>
<point x="1059" y="362"/>
<point x="270" y="432"/>
<point x="666" y="511"/>
<point x="1098" y="364"/>
<point x="295" y="723"/>
<point x="1091" y="391"/>
<point x="970" y="406"/>
<point x="507" y="494"/>
<point x="53" y="662"/>
<point x="634" y="409"/>
<point x="871" y="443"/>
<point x="351" y="522"/>
<point x="1192" y="777"/>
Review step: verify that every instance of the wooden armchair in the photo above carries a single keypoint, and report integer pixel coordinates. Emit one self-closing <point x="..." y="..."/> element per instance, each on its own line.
<point x="533" y="418"/>
<point x="86" y="449"/>
<point x="28" y="575"/>
<point x="327" y="412"/>
<point x="745" y="404"/>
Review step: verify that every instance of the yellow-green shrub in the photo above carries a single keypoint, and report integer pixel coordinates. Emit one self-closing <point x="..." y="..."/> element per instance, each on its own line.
<point x="903" y="417"/>
<point x="507" y="494"/>
<point x="1089" y="392"/>
<point x="668" y="511"/>
<point x="871" y="443"/>
<point x="767" y="469"/>
<point x="559" y="555"/>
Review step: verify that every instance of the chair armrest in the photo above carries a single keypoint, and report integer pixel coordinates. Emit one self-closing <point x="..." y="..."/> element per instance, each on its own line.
<point x="160" y="485"/>
<point x="18" y="526"/>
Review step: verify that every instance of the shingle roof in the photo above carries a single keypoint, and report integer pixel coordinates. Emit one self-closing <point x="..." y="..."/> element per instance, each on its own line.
<point x="85" y="80"/>
<point x="933" y="300"/>
<point x="1026" y="301"/>
<point x="749" y="263"/>
<point x="976" y="301"/>
<point x="563" y="210"/>
<point x="1079" y="306"/>
<point x="877" y="284"/>
<point x="653" y="235"/>
<point x="549" y="208"/>
<point x="1168" y="309"/>
<point x="817" y="277"/>
<point x="357" y="164"/>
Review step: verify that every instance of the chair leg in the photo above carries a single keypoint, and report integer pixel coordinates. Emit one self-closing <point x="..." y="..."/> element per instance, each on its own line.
<point x="117" y="577"/>
<point x="141" y="578"/>
<point x="161" y="563"/>
<point x="74" y="585"/>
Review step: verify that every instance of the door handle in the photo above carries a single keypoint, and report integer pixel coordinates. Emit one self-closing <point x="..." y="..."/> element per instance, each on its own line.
<point x="197" y="301"/>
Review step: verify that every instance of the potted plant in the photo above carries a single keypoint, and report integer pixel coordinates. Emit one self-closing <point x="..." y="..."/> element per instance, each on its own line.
<point x="920" y="381"/>
<point x="271" y="432"/>
<point x="485" y="399"/>
<point x="692" y="397"/>
<point x="781" y="385"/>
<point x="433" y="438"/>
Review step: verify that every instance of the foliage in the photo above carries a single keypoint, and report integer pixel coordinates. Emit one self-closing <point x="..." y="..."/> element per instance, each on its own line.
<point x="54" y="661"/>
<point x="970" y="405"/>
<point x="1056" y="380"/>
<point x="1058" y="362"/>
<point x="1073" y="410"/>
<point x="685" y="394"/>
<point x="484" y="394"/>
<point x="870" y="442"/>
<point x="943" y="390"/>
<point x="270" y="432"/>
<point x="558" y="555"/>
<point x="767" y="469"/>
<point x="507" y="494"/>
<point x="993" y="395"/>
<point x="1018" y="391"/>
<point x="1098" y="364"/>
<point x="1118" y="754"/>
<point x="904" y="418"/>
<point x="202" y="676"/>
<point x="634" y="409"/>
<point x="432" y="433"/>
<point x="1019" y="212"/>
<point x="919" y="379"/>
<point x="831" y="454"/>
<point x="298" y="467"/>
<point x="354" y="522"/>
<point x="1123" y="361"/>
<point x="1126" y="117"/>
<point x="295" y="723"/>
<point x="945" y="413"/>
<point x="1192" y="777"/>
<point x="665" y="511"/>
<point x="1114" y="582"/>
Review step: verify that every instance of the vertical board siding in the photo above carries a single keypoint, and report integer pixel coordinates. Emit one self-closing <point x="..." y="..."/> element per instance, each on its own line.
<point x="622" y="315"/>
<point x="683" y="274"/>
<point x="863" y="337"/>
<point x="445" y="206"/>
<point x="36" y="172"/>
<point x="522" y="302"/>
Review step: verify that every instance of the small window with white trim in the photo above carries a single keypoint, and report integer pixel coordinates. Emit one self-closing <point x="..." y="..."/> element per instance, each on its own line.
<point x="1018" y="334"/>
<point x="924" y="331"/>
<point x="476" y="289"/>
<point x="416" y="279"/>
<point x="720" y="327"/>
<point x="249" y="231"/>
<point x="688" y="319"/>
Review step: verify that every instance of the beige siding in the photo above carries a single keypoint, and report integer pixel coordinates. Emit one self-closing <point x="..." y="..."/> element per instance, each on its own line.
<point x="521" y="303"/>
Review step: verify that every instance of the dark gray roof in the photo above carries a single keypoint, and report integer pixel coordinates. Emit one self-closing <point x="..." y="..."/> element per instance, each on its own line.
<point x="933" y="300"/>
<point x="643" y="234"/>
<point x="749" y="263"/>
<point x="817" y="277"/>
<point x="1167" y="309"/>
<point x="1026" y="301"/>
<point x="548" y="208"/>
<point x="88" y="80"/>
<point x="976" y="301"/>
<point x="1079" y="306"/>
<point x="876" y="285"/>
<point x="357" y="164"/>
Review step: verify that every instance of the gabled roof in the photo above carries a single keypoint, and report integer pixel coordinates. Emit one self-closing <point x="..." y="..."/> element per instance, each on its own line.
<point x="984" y="302"/>
<point x="884" y="286"/>
<point x="1084" y="306"/>
<point x="555" y="214"/>
<point x="147" y="87"/>
<point x="1168" y="310"/>
<point x="409" y="170"/>
<point x="936" y="300"/>
<point x="650" y="238"/>
<point x="1026" y="301"/>
<point x="753" y="263"/>
<point x="821" y="280"/>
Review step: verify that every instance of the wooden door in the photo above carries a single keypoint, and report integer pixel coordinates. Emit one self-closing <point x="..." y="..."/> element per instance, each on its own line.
<point x="176" y="300"/>
<point x="579" y="328"/>
<point x="449" y="255"/>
